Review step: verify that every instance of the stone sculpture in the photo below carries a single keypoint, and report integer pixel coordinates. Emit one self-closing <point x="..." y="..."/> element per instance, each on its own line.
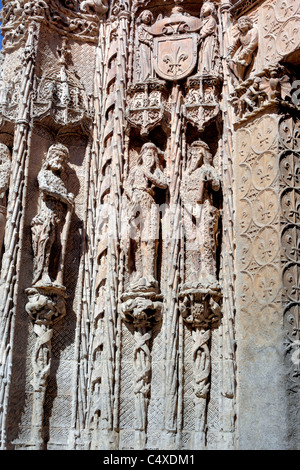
<point x="140" y="189"/>
<point x="61" y="96"/>
<point x="158" y="305"/>
<point x="208" y="60"/>
<point x="201" y="312"/>
<point x="145" y="38"/>
<point x="141" y="313"/>
<point x="276" y="85"/>
<point x="175" y="44"/>
<point x="241" y="54"/>
<point x="51" y="224"/>
<point x="199" y="180"/>
<point x="142" y="304"/>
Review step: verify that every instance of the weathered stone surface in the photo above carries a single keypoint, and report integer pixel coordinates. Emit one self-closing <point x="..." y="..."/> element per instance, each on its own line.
<point x="149" y="186"/>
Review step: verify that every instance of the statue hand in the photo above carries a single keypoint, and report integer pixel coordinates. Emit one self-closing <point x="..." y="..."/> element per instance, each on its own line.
<point x="206" y="176"/>
<point x="151" y="190"/>
<point x="241" y="57"/>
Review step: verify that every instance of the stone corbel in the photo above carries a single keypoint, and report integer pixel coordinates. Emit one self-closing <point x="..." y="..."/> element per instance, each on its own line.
<point x="272" y="87"/>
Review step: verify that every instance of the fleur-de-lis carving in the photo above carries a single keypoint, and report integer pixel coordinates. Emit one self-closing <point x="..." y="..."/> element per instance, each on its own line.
<point x="175" y="62"/>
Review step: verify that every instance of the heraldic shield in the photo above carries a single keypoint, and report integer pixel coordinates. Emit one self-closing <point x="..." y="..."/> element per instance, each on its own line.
<point x="175" y="56"/>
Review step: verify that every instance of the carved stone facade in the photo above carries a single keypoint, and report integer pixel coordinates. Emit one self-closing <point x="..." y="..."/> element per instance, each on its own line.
<point x="149" y="186"/>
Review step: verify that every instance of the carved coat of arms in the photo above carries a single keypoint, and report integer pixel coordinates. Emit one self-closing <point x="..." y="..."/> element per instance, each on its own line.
<point x="175" y="46"/>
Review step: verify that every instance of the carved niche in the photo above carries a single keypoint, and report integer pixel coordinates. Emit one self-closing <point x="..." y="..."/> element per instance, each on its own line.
<point x="176" y="81"/>
<point x="60" y="98"/>
<point x="142" y="302"/>
<point x="51" y="224"/>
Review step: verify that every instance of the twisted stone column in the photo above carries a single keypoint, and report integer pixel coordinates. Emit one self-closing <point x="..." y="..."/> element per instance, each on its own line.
<point x="142" y="367"/>
<point x="202" y="368"/>
<point x="141" y="313"/>
<point x="201" y="311"/>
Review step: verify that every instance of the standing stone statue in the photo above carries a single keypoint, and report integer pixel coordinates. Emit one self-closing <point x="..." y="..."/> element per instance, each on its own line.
<point x="199" y="181"/>
<point x="140" y="190"/>
<point x="145" y="38"/>
<point x="208" y="60"/>
<point x="5" y="167"/>
<point x="51" y="225"/>
<point x="241" y="53"/>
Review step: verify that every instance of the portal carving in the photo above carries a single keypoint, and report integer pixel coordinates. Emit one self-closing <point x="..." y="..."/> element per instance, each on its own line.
<point x="180" y="259"/>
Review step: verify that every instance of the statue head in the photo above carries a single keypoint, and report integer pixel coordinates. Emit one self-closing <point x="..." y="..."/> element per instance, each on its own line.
<point x="208" y="8"/>
<point x="256" y="83"/>
<point x="149" y="155"/>
<point x="146" y="17"/>
<point x="244" y="24"/>
<point x="57" y="157"/>
<point x="199" y="155"/>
